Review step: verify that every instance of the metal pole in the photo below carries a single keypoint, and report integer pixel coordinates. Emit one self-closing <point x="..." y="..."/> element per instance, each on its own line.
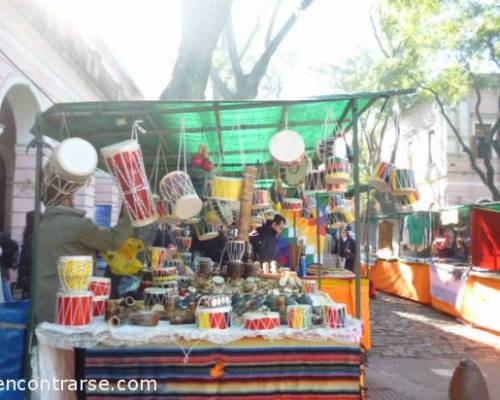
<point x="318" y="242"/>
<point x="367" y="227"/>
<point x="357" y="213"/>
<point x="296" y="244"/>
<point x="30" y="338"/>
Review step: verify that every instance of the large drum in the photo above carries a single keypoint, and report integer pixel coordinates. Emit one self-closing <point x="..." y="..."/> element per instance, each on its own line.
<point x="227" y="188"/>
<point x="75" y="273"/>
<point x="403" y="181"/>
<point x="380" y="179"/>
<point x="177" y="189"/>
<point x="337" y="170"/>
<point x="69" y="167"/>
<point x="287" y="148"/>
<point x="74" y="309"/>
<point x="124" y="162"/>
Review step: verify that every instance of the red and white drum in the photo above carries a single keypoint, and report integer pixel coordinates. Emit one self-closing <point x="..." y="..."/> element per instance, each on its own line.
<point x="292" y="204"/>
<point x="260" y="199"/>
<point x="124" y="162"/>
<point x="100" y="286"/>
<point x="164" y="274"/>
<point x="287" y="148"/>
<point x="380" y="179"/>
<point x="261" y="320"/>
<point x="337" y="170"/>
<point x="74" y="309"/>
<point x="155" y="295"/>
<point x="334" y="316"/>
<point x="99" y="306"/>
<point x="213" y="318"/>
<point x="178" y="191"/>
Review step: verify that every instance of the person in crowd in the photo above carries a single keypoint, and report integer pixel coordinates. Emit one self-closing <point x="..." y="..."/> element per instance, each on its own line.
<point x="65" y="231"/>
<point x="164" y="237"/>
<point x="25" y="258"/>
<point x="346" y="248"/>
<point x="264" y="240"/>
<point x="8" y="261"/>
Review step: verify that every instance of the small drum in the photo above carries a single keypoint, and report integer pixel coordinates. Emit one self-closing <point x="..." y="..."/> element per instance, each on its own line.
<point x="124" y="162"/>
<point x="99" y="306"/>
<point x="171" y="286"/>
<point x="227" y="211"/>
<point x="213" y="317"/>
<point x="155" y="295"/>
<point x="380" y="179"/>
<point x="260" y="199"/>
<point x="292" y="204"/>
<point x="334" y="316"/>
<point x="178" y="191"/>
<point x="227" y="188"/>
<point x="69" y="167"/>
<point x="315" y="182"/>
<point x="261" y="320"/>
<point x="403" y="181"/>
<point x="299" y="316"/>
<point x="205" y="231"/>
<point x="294" y="176"/>
<point x="337" y="187"/>
<point x="309" y="286"/>
<point x="74" y="309"/>
<point x="324" y="150"/>
<point x="75" y="272"/>
<point x="101" y="287"/>
<point x="183" y="243"/>
<point x="163" y="275"/>
<point x="337" y="170"/>
<point x="158" y="256"/>
<point x="287" y="148"/>
<point x="235" y="249"/>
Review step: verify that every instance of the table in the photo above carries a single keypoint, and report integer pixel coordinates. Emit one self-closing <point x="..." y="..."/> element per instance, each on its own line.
<point x="407" y="279"/>
<point x="187" y="363"/>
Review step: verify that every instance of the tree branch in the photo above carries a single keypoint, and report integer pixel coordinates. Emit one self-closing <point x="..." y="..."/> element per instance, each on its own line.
<point x="252" y="34"/>
<point x="220" y="84"/>
<point x="272" y="22"/>
<point x="232" y="51"/>
<point x="377" y="37"/>
<point x="491" y="48"/>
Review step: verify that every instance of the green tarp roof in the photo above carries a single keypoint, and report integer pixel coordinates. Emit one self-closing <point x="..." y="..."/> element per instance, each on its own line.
<point x="214" y="123"/>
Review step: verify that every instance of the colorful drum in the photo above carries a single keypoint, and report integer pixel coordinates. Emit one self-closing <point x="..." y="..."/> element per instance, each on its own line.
<point x="183" y="243"/>
<point x="74" y="309"/>
<point x="403" y="181"/>
<point x="178" y="191"/>
<point x="235" y="249"/>
<point x="309" y="286"/>
<point x="69" y="167"/>
<point x="205" y="231"/>
<point x="227" y="211"/>
<point x="227" y="188"/>
<point x="261" y="199"/>
<point x="258" y="321"/>
<point x="155" y="295"/>
<point x="213" y="318"/>
<point x="75" y="272"/>
<point x="334" y="316"/>
<point x="296" y="175"/>
<point x="292" y="204"/>
<point x="337" y="170"/>
<point x="299" y="316"/>
<point x="380" y="179"/>
<point x="163" y="275"/>
<point x="101" y="287"/>
<point x="157" y="257"/>
<point x="407" y="200"/>
<point x="287" y="148"/>
<point x="99" y="306"/>
<point x="337" y="187"/>
<point x="315" y="181"/>
<point x="124" y="162"/>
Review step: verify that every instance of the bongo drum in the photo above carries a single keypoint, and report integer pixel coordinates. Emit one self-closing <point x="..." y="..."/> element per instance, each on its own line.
<point x="205" y="231"/>
<point x="155" y="295"/>
<point x="403" y="181"/>
<point x="213" y="317"/>
<point x="299" y="316"/>
<point x="99" y="306"/>
<point x="124" y="162"/>
<point x="69" y="167"/>
<point x="309" y="286"/>
<point x="183" y="243"/>
<point x="315" y="181"/>
<point x="337" y="170"/>
<point x="163" y="275"/>
<point x="235" y="249"/>
<point x="292" y="204"/>
<point x="227" y="188"/>
<point x="74" y="309"/>
<point x="296" y="175"/>
<point x="260" y="199"/>
<point x="157" y="256"/>
<point x="337" y="187"/>
<point x="75" y="272"/>
<point x="334" y="316"/>
<point x="178" y="190"/>
<point x="259" y="320"/>
<point x="287" y="148"/>
<point x="101" y="287"/>
<point x="380" y="179"/>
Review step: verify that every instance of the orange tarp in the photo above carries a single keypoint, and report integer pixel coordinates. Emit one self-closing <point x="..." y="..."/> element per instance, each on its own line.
<point x="481" y="301"/>
<point x="405" y="279"/>
<point x="444" y="307"/>
<point x="344" y="291"/>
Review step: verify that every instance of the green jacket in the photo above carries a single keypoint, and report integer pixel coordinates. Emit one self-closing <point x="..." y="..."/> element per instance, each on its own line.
<point x="65" y="231"/>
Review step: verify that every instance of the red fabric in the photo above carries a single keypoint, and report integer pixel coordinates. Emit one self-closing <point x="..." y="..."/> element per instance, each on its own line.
<point x="485" y="239"/>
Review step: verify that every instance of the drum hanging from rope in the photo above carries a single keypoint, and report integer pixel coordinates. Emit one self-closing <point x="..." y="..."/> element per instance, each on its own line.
<point x="261" y="199"/>
<point x="296" y="175"/>
<point x="403" y="181"/>
<point x="315" y="181"/>
<point x="380" y="179"/>
<point x="178" y="190"/>
<point x="68" y="169"/>
<point x="227" y="188"/>
<point x="227" y="211"/>
<point x="337" y="170"/>
<point x="124" y="162"/>
<point x="287" y="148"/>
<point x="205" y="231"/>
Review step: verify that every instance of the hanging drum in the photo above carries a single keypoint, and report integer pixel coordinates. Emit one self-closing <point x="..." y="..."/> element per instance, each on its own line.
<point x="403" y="181"/>
<point x="292" y="204"/>
<point x="287" y="148"/>
<point x="205" y="231"/>
<point x="380" y="179"/>
<point x="227" y="188"/>
<point x="227" y="211"/>
<point x="337" y="170"/>
<point x="178" y="191"/>
<point x="124" y="162"/>
<point x="324" y="150"/>
<point x="69" y="167"/>
<point x="294" y="176"/>
<point x="261" y="199"/>
<point x="337" y="187"/>
<point x="315" y="181"/>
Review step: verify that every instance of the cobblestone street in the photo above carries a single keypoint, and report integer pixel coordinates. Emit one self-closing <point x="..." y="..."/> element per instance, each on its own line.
<point x="416" y="349"/>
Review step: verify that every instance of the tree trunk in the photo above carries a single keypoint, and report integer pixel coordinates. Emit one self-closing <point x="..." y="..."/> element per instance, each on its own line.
<point x="202" y="24"/>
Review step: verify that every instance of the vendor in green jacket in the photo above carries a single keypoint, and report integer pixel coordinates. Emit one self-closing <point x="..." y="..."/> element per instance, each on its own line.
<point x="65" y="231"/>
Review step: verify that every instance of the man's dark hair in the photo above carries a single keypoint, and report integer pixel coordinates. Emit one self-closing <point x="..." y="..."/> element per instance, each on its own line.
<point x="279" y="219"/>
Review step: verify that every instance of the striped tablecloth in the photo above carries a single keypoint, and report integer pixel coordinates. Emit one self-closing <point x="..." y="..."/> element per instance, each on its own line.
<point x="252" y="368"/>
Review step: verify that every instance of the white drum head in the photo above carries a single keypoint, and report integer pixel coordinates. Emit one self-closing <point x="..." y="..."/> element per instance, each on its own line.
<point x="287" y="146"/>
<point x="76" y="156"/>
<point x="188" y="206"/>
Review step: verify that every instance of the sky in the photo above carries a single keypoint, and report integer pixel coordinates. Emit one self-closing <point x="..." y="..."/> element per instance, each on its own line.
<point x="144" y="36"/>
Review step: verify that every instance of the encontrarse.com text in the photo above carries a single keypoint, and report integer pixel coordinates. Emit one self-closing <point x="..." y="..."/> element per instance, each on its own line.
<point x="73" y="385"/>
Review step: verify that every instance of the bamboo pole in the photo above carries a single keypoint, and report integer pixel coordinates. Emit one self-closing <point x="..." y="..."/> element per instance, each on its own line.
<point x="249" y="175"/>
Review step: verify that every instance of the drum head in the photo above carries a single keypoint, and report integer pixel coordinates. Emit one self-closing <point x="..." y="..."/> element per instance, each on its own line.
<point x="188" y="206"/>
<point x="287" y="146"/>
<point x="76" y="157"/>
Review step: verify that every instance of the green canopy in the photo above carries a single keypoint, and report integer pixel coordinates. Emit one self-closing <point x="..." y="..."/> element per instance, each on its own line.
<point x="235" y="133"/>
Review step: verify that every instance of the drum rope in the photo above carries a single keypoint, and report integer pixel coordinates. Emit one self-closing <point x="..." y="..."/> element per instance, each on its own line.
<point x="136" y="129"/>
<point x="182" y="147"/>
<point x="240" y="142"/>
<point x="64" y="125"/>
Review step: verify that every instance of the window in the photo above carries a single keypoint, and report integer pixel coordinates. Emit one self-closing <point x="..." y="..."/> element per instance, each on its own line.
<point x="481" y="150"/>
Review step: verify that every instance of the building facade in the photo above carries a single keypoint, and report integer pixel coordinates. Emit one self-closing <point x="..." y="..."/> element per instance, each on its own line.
<point x="42" y="62"/>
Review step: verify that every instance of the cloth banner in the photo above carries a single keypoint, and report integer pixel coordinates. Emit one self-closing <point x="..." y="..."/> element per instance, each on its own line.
<point x="485" y="239"/>
<point x="447" y="287"/>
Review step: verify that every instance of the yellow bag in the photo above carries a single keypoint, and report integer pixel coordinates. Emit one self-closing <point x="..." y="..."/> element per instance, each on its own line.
<point x="124" y="261"/>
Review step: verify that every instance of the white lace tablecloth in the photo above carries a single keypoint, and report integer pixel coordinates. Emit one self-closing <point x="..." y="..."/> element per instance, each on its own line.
<point x="100" y="333"/>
